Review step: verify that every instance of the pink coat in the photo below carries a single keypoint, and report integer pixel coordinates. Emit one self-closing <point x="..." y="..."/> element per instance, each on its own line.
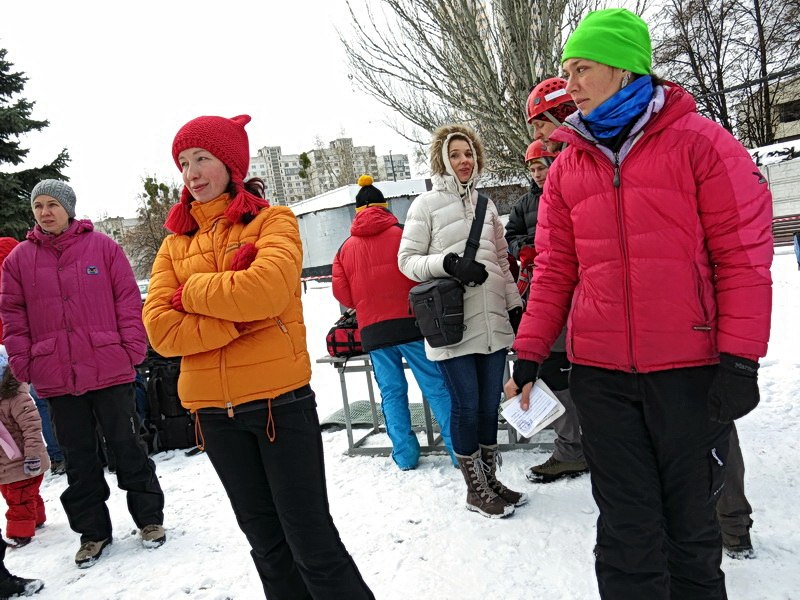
<point x="71" y="312"/>
<point x="21" y="419"/>
<point x="665" y="270"/>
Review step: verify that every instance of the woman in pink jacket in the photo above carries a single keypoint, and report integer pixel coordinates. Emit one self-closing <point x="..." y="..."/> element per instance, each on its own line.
<point x="72" y="325"/>
<point x="654" y="245"/>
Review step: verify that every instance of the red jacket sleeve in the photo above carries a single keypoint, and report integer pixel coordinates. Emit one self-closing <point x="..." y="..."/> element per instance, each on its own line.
<point x="554" y="278"/>
<point x="735" y="207"/>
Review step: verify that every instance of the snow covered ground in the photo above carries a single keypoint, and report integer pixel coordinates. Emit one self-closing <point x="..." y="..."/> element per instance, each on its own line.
<point x="408" y="531"/>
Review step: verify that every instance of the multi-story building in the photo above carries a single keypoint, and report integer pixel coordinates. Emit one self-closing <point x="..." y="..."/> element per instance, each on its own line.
<point x="281" y="175"/>
<point x="341" y="163"/>
<point x="393" y="167"/>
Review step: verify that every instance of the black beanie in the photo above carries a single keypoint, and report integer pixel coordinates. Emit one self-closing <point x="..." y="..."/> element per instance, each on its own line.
<point x="368" y="194"/>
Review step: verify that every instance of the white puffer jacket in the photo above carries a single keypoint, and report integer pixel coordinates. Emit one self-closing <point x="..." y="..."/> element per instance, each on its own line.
<point x="437" y="223"/>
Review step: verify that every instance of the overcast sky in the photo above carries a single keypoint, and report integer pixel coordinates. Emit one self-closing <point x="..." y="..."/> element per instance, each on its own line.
<point x="117" y="81"/>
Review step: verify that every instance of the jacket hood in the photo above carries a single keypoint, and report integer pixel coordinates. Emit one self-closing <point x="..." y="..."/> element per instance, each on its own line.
<point x="372" y="221"/>
<point x="439" y="163"/>
<point x="38" y="236"/>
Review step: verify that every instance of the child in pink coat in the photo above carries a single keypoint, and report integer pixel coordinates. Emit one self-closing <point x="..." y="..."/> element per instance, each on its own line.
<point x="23" y="457"/>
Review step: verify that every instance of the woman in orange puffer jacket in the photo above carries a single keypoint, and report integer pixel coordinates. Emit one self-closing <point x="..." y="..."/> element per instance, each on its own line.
<point x="225" y="295"/>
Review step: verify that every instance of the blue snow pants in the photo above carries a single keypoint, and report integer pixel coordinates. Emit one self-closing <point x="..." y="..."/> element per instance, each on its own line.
<point x="387" y="363"/>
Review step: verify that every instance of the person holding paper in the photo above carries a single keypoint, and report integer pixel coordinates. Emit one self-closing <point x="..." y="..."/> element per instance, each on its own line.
<point x="654" y="243"/>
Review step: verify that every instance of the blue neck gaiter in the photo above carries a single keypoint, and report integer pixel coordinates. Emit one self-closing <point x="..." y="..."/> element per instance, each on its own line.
<point x="608" y="119"/>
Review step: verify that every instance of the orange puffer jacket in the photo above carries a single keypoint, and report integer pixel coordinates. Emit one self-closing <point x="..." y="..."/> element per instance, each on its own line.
<point x="242" y="336"/>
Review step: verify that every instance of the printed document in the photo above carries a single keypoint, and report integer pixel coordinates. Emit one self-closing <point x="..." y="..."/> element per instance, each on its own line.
<point x="544" y="408"/>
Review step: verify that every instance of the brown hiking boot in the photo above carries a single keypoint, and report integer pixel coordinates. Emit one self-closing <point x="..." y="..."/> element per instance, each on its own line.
<point x="89" y="553"/>
<point x="553" y="470"/>
<point x="480" y="497"/>
<point x="153" y="536"/>
<point x="493" y="459"/>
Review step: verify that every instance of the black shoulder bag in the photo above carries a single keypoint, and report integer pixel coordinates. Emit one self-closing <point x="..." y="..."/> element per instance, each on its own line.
<point x="438" y="304"/>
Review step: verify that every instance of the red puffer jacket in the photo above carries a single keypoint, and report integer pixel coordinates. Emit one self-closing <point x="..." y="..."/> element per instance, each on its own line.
<point x="664" y="270"/>
<point x="366" y="277"/>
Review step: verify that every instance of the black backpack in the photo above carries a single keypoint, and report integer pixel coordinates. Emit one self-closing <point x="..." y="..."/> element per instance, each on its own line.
<point x="172" y="425"/>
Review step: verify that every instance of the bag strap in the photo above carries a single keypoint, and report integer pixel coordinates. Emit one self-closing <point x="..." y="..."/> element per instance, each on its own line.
<point x="473" y="241"/>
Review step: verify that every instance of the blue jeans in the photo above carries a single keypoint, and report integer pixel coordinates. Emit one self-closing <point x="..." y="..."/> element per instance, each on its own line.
<point x="387" y="364"/>
<point x="53" y="449"/>
<point x="475" y="382"/>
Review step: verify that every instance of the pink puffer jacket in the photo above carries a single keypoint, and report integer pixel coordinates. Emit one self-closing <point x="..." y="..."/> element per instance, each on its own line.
<point x="71" y="312"/>
<point x="664" y="270"/>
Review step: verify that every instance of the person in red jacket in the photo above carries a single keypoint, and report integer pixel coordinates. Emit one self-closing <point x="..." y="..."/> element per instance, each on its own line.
<point x="366" y="277"/>
<point x="654" y="243"/>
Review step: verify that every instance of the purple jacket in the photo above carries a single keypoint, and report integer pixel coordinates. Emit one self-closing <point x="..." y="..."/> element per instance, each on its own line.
<point x="71" y="312"/>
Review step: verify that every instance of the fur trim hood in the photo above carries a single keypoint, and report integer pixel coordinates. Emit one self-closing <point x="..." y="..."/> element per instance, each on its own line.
<point x="438" y="166"/>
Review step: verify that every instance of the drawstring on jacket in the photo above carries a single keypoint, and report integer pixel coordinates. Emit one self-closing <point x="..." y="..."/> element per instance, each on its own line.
<point x="199" y="440"/>
<point x="270" y="430"/>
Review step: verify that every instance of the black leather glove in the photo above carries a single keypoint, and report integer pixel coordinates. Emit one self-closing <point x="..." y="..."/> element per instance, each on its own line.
<point x="466" y="270"/>
<point x="525" y="371"/>
<point x="734" y="391"/>
<point x="515" y="316"/>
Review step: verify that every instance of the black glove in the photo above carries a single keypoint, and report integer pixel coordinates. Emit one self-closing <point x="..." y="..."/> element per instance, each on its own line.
<point x="515" y="316"/>
<point x="525" y="371"/>
<point x="734" y="391"/>
<point x="466" y="270"/>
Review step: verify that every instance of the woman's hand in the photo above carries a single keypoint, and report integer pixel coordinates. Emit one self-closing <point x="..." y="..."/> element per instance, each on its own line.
<point x="177" y="299"/>
<point x="525" y="374"/>
<point x="466" y="270"/>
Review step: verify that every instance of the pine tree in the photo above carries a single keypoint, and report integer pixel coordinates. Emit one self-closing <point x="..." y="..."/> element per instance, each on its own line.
<point x="15" y="188"/>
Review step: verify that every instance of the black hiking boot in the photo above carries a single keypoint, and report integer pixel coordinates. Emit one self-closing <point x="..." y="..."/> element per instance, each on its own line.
<point x="738" y="547"/>
<point x="12" y="586"/>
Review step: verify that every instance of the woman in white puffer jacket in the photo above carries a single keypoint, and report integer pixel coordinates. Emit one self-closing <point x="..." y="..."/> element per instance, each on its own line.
<point x="436" y="230"/>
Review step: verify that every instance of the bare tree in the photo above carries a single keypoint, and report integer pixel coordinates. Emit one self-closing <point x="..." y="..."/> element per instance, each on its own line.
<point x="711" y="46"/>
<point x="439" y="61"/>
<point x="771" y="46"/>
<point x="142" y="241"/>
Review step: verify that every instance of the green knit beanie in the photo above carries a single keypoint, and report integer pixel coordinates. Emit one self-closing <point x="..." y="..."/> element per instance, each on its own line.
<point x="615" y="37"/>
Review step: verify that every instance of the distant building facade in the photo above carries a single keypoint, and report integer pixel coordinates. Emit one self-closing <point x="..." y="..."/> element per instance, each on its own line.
<point x="116" y="227"/>
<point x="787" y="107"/>
<point x="281" y="175"/>
<point x="341" y="163"/>
<point x="393" y="167"/>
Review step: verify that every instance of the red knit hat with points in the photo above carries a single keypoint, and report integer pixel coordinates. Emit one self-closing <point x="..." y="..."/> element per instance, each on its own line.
<point x="227" y="140"/>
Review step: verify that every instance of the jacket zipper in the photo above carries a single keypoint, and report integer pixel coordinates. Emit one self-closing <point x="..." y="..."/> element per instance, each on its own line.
<point x="625" y="260"/>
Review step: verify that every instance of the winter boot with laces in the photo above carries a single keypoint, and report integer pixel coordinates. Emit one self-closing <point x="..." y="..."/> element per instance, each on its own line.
<point x="89" y="552"/>
<point x="480" y="497"/>
<point x="12" y="586"/>
<point x="553" y="470"/>
<point x="493" y="459"/>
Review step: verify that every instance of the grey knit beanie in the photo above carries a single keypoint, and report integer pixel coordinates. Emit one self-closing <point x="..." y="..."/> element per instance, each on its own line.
<point x="59" y="190"/>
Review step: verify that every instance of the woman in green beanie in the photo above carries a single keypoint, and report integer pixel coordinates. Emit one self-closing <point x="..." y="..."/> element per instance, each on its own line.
<point x="654" y="244"/>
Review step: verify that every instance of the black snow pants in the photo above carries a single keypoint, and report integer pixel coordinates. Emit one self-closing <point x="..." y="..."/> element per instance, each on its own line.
<point x="278" y="492"/>
<point x="657" y="465"/>
<point x="75" y="419"/>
